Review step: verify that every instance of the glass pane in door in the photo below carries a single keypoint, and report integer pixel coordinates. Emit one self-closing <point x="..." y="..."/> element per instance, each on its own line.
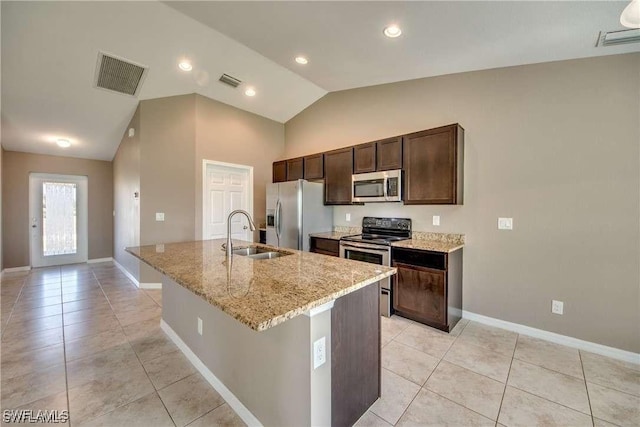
<point x="59" y="218"/>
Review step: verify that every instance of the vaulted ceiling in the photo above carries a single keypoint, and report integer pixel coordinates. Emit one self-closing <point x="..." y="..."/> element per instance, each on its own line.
<point x="50" y="49"/>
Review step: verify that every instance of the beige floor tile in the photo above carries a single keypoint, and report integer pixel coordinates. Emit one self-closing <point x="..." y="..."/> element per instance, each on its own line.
<point x="153" y="345"/>
<point x="457" y="330"/>
<point x="144" y="412"/>
<point x="102" y="313"/>
<point x="189" y="399"/>
<point x="601" y="423"/>
<point x="520" y="408"/>
<point x="78" y="296"/>
<point x="19" y="328"/>
<point x="98" y="302"/>
<point x="425" y="339"/>
<point x="407" y="362"/>
<point x="616" y="374"/>
<point x="32" y="341"/>
<point x="391" y="327"/>
<point x="219" y="417"/>
<point x="168" y="368"/>
<point x="155" y="294"/>
<point x="92" y="344"/>
<point x="614" y="406"/>
<point x="369" y="419"/>
<point x="37" y="302"/>
<point x="36" y="313"/>
<point x="473" y="391"/>
<point x="490" y="338"/>
<point x="142" y="329"/>
<point x="16" y="363"/>
<point x="554" y="386"/>
<point x="139" y="315"/>
<point x="54" y="402"/>
<point x="91" y="327"/>
<point x="33" y="386"/>
<point x="107" y="363"/>
<point x="549" y="355"/>
<point x="397" y="394"/>
<point x="38" y="292"/>
<point x="430" y="409"/>
<point x="479" y="360"/>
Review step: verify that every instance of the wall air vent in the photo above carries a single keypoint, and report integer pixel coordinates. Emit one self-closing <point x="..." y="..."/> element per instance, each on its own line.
<point x="119" y="75"/>
<point x="614" y="38"/>
<point x="231" y="81"/>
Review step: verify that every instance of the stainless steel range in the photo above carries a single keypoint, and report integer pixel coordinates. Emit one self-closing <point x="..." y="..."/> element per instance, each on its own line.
<point x="374" y="246"/>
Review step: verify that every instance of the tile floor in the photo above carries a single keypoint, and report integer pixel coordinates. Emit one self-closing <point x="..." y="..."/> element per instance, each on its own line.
<point x="84" y="338"/>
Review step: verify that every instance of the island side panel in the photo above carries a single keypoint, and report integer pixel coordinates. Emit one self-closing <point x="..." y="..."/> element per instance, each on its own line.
<point x="270" y="372"/>
<point x="355" y="350"/>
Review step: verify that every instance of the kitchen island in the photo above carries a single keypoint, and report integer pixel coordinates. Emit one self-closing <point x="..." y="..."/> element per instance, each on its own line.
<point x="251" y="327"/>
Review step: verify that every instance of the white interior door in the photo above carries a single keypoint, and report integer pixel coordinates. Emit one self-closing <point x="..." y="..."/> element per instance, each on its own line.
<point x="57" y="219"/>
<point x="226" y="188"/>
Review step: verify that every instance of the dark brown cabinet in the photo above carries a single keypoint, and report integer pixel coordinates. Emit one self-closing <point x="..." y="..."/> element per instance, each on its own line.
<point x="295" y="169"/>
<point x="389" y="154"/>
<point x="280" y="171"/>
<point x="338" y="168"/>
<point x="433" y="166"/>
<point x="314" y="166"/>
<point x="324" y="246"/>
<point x="364" y="158"/>
<point x="428" y="286"/>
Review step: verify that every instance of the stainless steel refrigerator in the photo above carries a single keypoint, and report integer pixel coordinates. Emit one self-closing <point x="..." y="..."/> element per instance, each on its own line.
<point x="294" y="210"/>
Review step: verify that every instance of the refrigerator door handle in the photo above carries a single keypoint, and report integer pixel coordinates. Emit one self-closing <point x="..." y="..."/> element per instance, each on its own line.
<point x="277" y="220"/>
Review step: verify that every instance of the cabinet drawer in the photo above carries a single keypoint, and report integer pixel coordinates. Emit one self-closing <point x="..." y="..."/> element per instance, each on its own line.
<point x="325" y="246"/>
<point x="435" y="260"/>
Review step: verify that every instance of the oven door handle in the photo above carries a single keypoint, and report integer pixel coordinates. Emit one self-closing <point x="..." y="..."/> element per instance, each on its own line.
<point x="355" y="246"/>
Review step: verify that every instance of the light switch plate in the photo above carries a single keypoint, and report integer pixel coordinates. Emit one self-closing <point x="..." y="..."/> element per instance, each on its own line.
<point x="159" y="216"/>
<point x="505" y="223"/>
<point x="319" y="352"/>
<point x="199" y="326"/>
<point x="132" y="132"/>
<point x="436" y="220"/>
<point x="347" y="217"/>
<point x="557" y="307"/>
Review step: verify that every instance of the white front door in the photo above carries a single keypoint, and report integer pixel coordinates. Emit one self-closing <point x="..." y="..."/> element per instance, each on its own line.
<point x="57" y="219"/>
<point x="226" y="188"/>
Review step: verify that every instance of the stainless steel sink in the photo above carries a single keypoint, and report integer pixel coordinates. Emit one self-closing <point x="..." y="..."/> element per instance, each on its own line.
<point x="267" y="255"/>
<point x="255" y="252"/>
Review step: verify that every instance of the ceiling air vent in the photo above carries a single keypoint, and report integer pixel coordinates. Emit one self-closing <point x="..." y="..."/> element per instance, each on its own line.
<point x="613" y="38"/>
<point x="119" y="75"/>
<point x="231" y="81"/>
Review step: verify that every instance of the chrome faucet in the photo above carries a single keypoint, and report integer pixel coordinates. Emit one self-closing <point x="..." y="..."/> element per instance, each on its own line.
<point x="252" y="227"/>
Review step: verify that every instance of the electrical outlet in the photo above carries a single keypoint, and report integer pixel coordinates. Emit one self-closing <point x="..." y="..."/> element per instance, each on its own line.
<point x="132" y="132"/>
<point x="160" y="248"/>
<point x="347" y="217"/>
<point x="319" y="352"/>
<point x="436" y="220"/>
<point x="505" y="223"/>
<point x="557" y="307"/>
<point x="159" y="216"/>
<point x="199" y="326"/>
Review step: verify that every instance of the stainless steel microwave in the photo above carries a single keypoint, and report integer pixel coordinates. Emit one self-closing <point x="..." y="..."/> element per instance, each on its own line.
<point x="383" y="186"/>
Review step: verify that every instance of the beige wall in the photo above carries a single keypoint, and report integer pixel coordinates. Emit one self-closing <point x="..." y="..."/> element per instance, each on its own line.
<point x="228" y="134"/>
<point x="556" y="147"/>
<point x="126" y="182"/>
<point x="15" y="202"/>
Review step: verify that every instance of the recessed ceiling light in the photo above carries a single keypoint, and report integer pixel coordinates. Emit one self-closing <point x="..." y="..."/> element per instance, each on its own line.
<point x="185" y="66"/>
<point x="302" y="60"/>
<point x="630" y="17"/>
<point x="250" y="92"/>
<point x="64" y="143"/>
<point x="392" y="31"/>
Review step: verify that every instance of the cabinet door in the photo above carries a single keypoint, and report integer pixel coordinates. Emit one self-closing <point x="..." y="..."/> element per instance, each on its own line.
<point x="295" y="168"/>
<point x="314" y="166"/>
<point x="419" y="293"/>
<point x="364" y="158"/>
<point x="338" y="168"/>
<point x="389" y="154"/>
<point x="431" y="163"/>
<point x="280" y="171"/>
<point x="325" y="246"/>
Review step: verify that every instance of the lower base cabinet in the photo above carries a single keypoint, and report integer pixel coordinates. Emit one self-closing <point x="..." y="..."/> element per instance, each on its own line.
<point x="324" y="246"/>
<point x="428" y="287"/>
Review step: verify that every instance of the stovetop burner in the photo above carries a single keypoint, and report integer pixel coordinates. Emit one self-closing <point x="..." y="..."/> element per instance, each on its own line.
<point x="383" y="231"/>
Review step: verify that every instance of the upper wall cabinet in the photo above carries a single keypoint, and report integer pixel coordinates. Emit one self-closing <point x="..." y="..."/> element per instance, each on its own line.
<point x="314" y="166"/>
<point x="338" y="168"/>
<point x="280" y="171"/>
<point x="389" y="154"/>
<point x="364" y="158"/>
<point x="433" y="166"/>
<point x="295" y="169"/>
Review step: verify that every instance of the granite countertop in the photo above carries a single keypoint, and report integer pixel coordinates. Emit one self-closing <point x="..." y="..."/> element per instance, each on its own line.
<point x="333" y="235"/>
<point x="259" y="293"/>
<point x="429" y="245"/>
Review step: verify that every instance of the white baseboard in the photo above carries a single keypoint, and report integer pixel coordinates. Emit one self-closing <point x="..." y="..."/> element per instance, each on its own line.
<point x="16" y="269"/>
<point x="226" y="394"/>
<point x="97" y="260"/>
<point x="592" y="347"/>
<point x="147" y="285"/>
<point x="126" y="273"/>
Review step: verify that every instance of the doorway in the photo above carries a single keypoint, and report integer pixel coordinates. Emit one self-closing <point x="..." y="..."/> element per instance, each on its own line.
<point x="57" y="219"/>
<point x="226" y="187"/>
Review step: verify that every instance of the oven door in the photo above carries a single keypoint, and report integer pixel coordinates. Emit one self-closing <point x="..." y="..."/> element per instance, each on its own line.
<point x="374" y="255"/>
